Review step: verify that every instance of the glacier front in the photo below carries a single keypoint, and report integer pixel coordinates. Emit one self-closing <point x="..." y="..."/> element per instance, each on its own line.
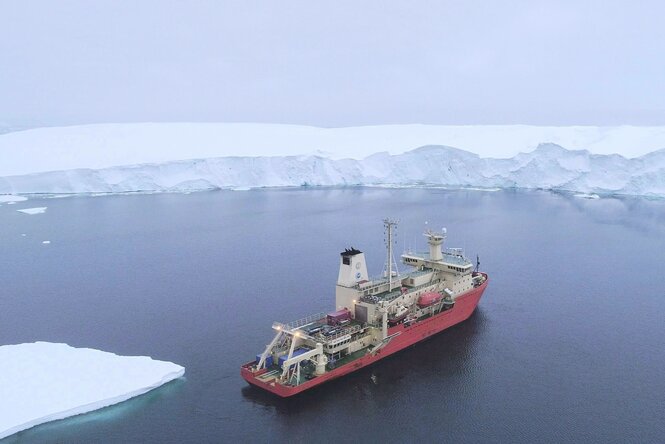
<point x="120" y="158"/>
<point x="548" y="167"/>
<point x="42" y="382"/>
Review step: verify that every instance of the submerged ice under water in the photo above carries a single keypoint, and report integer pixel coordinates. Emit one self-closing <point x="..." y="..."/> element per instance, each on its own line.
<point x="565" y="345"/>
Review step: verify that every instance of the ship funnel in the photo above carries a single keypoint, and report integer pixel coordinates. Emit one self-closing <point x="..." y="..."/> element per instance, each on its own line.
<point x="435" y="240"/>
<point x="352" y="267"/>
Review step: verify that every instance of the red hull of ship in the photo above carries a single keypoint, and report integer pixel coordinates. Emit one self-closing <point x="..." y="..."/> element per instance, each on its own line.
<point x="464" y="307"/>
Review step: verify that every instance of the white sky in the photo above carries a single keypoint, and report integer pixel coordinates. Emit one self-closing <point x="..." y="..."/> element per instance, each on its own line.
<point x="341" y="63"/>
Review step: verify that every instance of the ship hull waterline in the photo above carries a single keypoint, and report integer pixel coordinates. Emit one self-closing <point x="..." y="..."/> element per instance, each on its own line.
<point x="464" y="306"/>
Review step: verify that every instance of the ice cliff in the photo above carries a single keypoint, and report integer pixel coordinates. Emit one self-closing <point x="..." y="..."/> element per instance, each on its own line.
<point x="549" y="166"/>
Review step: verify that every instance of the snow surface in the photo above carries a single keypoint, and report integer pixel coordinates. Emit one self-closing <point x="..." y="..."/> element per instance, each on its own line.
<point x="36" y="210"/>
<point x="42" y="382"/>
<point x="107" y="145"/>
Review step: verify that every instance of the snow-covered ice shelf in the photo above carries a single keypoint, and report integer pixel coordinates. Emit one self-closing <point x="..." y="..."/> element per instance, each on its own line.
<point x="105" y="145"/>
<point x="549" y="167"/>
<point x="122" y="158"/>
<point x="42" y="382"/>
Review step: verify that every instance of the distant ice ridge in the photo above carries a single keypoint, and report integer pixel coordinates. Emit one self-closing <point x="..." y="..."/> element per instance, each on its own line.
<point x="107" y="145"/>
<point x="42" y="382"/>
<point x="549" y="166"/>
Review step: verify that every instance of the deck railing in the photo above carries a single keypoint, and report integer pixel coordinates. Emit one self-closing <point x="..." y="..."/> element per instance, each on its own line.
<point x="373" y="299"/>
<point x="347" y="331"/>
<point x="308" y="320"/>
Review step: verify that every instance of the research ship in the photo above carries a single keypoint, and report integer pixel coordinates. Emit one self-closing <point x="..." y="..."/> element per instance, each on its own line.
<point x="374" y="318"/>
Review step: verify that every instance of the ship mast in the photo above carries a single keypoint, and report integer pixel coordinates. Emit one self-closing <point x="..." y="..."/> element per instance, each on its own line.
<point x="389" y="225"/>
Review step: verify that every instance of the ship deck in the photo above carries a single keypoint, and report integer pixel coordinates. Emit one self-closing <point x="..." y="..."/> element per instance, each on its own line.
<point x="403" y="335"/>
<point x="274" y="371"/>
<point x="397" y="292"/>
<point x="351" y="328"/>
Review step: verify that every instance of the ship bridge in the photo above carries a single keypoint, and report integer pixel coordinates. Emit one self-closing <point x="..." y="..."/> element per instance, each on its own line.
<point x="450" y="256"/>
<point x="444" y="259"/>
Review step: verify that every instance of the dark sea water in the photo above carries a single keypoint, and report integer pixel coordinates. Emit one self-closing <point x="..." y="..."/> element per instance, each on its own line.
<point x="567" y="345"/>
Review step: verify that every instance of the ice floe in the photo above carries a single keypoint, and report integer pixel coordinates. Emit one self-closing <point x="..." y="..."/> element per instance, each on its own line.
<point x="42" y="382"/>
<point x="9" y="198"/>
<point x="36" y="210"/>
<point x="587" y="196"/>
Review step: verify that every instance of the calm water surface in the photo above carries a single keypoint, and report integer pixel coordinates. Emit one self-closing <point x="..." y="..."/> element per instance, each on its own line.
<point x="567" y="344"/>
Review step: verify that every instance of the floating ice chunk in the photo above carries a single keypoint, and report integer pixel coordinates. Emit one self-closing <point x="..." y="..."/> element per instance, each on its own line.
<point x="58" y="196"/>
<point x="46" y="242"/>
<point x="42" y="382"/>
<point x="36" y="210"/>
<point x="10" y="198"/>
<point x="587" y="196"/>
<point x="481" y="189"/>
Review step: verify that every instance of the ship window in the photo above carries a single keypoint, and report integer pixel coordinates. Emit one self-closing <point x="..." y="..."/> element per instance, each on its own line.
<point x="346" y="260"/>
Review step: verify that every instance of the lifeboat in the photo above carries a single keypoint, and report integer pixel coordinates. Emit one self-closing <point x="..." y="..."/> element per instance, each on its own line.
<point x="429" y="298"/>
<point x="398" y="316"/>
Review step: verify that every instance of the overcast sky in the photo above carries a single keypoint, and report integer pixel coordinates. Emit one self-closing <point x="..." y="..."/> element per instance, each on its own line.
<point x="339" y="64"/>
